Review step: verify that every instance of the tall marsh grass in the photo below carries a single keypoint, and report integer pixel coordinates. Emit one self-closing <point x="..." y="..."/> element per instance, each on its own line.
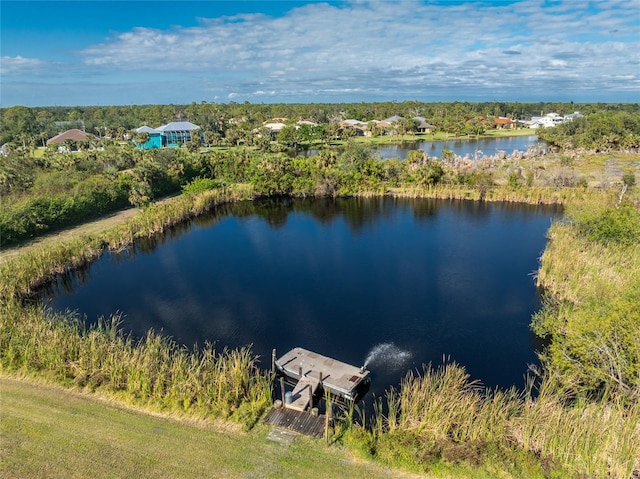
<point x="531" y="195"/>
<point x="441" y="418"/>
<point x="153" y="371"/>
<point x="592" y="313"/>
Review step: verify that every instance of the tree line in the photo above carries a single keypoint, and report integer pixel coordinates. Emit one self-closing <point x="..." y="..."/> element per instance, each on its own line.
<point x="42" y="194"/>
<point x="601" y="131"/>
<point x="35" y="125"/>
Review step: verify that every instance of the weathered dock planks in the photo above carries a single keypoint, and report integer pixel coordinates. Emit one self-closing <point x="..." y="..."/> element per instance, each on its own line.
<point x="297" y="421"/>
<point x="303" y="393"/>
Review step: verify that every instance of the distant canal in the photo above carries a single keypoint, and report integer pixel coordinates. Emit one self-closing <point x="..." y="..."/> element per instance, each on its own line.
<point x="472" y="148"/>
<point x="428" y="278"/>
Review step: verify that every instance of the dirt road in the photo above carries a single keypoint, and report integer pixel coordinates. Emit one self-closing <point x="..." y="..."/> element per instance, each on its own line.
<point x="85" y="228"/>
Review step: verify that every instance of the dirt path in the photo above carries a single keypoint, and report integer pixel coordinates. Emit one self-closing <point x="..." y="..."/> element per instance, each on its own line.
<point x="85" y="228"/>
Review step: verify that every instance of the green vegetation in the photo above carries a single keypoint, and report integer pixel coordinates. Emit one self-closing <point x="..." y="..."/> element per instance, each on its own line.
<point x="441" y="422"/>
<point x="49" y="432"/>
<point x="601" y="131"/>
<point x="580" y="420"/>
<point x="591" y="268"/>
<point x="49" y="188"/>
<point x="154" y="371"/>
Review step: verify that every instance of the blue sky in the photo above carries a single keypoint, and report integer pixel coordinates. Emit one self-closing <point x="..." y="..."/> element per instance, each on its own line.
<point x="159" y="52"/>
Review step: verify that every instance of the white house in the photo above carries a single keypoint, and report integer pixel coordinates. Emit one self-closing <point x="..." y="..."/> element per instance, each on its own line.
<point x="551" y="119"/>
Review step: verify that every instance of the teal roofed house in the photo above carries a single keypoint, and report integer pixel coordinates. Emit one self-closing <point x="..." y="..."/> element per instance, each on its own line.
<point x="172" y="135"/>
<point x="177" y="133"/>
<point x="154" y="141"/>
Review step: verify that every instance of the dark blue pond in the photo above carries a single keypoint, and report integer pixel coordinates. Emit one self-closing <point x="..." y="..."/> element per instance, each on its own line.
<point x="435" y="278"/>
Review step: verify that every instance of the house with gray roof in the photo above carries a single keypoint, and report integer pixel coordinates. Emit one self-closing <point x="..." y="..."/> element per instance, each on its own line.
<point x="177" y="132"/>
<point x="392" y="119"/>
<point x="172" y="134"/>
<point x="422" y="125"/>
<point x="154" y="141"/>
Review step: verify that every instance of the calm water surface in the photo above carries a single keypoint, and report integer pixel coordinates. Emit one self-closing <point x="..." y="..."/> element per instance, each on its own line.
<point x="473" y="148"/>
<point x="435" y="278"/>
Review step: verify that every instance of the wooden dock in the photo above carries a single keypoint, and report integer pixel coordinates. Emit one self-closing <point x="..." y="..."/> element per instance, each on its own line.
<point x="303" y="392"/>
<point x="312" y="370"/>
<point x="296" y="421"/>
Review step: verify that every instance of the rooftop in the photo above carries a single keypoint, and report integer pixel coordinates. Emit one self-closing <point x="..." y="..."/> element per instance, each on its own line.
<point x="178" y="126"/>
<point x="73" y="134"/>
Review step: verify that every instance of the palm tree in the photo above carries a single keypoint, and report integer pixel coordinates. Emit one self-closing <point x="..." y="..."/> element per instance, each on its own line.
<point x="212" y="137"/>
<point x="120" y="133"/>
<point x="142" y="138"/>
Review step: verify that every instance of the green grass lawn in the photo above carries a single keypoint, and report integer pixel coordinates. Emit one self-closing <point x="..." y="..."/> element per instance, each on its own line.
<point x="49" y="432"/>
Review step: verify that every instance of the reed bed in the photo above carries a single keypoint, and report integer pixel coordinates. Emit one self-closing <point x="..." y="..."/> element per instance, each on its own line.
<point x="441" y="417"/>
<point x="588" y="438"/>
<point x="574" y="269"/>
<point x="536" y="195"/>
<point x="591" y="314"/>
<point x="153" y="371"/>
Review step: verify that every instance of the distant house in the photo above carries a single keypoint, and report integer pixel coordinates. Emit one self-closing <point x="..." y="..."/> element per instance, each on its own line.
<point x="422" y="125"/>
<point x="73" y="134"/>
<point x="504" y="123"/>
<point x="177" y="133"/>
<point x="154" y="141"/>
<point x="170" y="135"/>
<point x="552" y="119"/>
<point x="391" y="120"/>
<point x="359" y="128"/>
<point x="573" y="116"/>
<point x="354" y="123"/>
<point x="274" y="127"/>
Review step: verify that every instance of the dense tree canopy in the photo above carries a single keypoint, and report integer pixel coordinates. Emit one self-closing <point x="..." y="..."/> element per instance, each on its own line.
<point x="114" y="121"/>
<point x="600" y="131"/>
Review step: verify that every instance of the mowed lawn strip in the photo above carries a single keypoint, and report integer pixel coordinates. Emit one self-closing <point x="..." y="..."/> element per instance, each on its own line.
<point x="50" y="432"/>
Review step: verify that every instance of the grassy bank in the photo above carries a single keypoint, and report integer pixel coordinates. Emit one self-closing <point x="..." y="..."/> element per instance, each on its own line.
<point x="153" y="372"/>
<point x="591" y="270"/>
<point x="529" y="195"/>
<point x="49" y="432"/>
<point x="438" y="136"/>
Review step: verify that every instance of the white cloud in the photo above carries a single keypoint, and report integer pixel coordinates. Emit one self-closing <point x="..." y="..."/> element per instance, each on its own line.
<point x="20" y="66"/>
<point x="368" y="46"/>
<point x="393" y="49"/>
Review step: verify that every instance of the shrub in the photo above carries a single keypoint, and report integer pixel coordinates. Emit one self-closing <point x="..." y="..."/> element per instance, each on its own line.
<point x="613" y="225"/>
<point x="200" y="185"/>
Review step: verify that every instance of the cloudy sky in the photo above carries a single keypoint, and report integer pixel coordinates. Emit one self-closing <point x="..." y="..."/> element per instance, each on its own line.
<point x="124" y="52"/>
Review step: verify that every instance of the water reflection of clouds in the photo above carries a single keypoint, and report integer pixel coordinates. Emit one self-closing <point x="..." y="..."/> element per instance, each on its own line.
<point x="440" y="286"/>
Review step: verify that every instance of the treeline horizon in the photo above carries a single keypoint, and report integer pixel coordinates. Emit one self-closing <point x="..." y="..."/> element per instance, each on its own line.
<point x="41" y="120"/>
